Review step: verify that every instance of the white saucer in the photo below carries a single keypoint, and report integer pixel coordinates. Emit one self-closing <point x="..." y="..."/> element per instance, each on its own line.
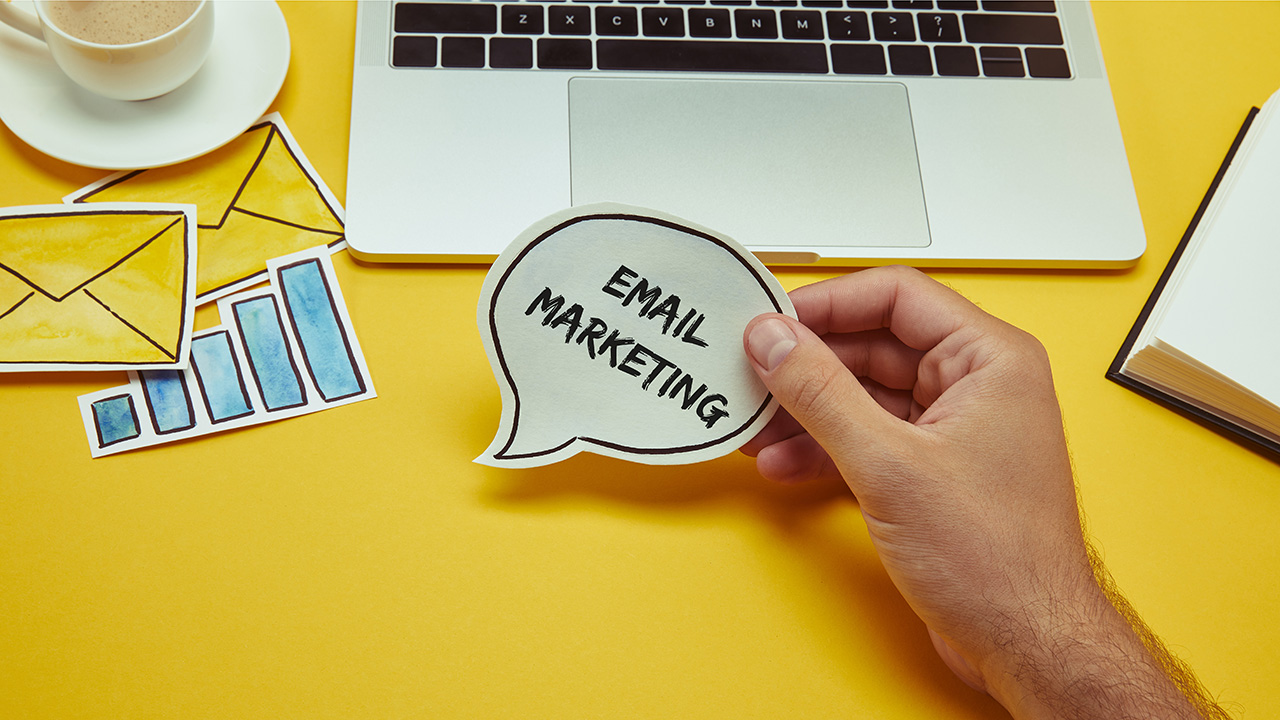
<point x="244" y="71"/>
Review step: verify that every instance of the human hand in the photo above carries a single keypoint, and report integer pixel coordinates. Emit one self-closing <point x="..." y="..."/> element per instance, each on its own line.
<point x="944" y="422"/>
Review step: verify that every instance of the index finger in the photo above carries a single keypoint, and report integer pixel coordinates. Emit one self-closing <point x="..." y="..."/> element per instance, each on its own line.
<point x="918" y="310"/>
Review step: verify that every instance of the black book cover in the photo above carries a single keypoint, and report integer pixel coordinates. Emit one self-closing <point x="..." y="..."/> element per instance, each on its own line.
<point x="1113" y="372"/>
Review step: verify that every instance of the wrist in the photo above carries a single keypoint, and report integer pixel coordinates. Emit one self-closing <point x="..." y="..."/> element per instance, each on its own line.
<point x="1078" y="657"/>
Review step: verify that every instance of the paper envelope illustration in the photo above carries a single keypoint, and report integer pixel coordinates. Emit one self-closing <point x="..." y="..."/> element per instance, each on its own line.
<point x="257" y="198"/>
<point x="96" y="288"/>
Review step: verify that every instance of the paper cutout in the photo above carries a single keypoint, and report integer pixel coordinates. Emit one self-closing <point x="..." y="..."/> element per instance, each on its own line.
<point x="106" y="287"/>
<point x="282" y="351"/>
<point x="258" y="198"/>
<point x="115" y="419"/>
<point x="618" y="331"/>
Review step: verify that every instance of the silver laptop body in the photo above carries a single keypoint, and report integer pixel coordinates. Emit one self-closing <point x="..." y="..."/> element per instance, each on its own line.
<point x="883" y="139"/>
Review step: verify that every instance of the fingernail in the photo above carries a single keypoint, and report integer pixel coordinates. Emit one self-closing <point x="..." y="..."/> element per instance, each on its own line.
<point x="769" y="342"/>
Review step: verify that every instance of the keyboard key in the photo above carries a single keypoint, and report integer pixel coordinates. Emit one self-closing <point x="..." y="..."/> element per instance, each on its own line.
<point x="1013" y="29"/>
<point x="910" y="60"/>
<point x="701" y="55"/>
<point x="893" y="26"/>
<point x="899" y="22"/>
<point x="462" y="52"/>
<point x="662" y="21"/>
<point x="755" y="24"/>
<point x="858" y="60"/>
<point x="614" y="20"/>
<point x="569" y="20"/>
<point x="938" y="27"/>
<point x="802" y="24"/>
<point x="564" y="54"/>
<point x="413" y="51"/>
<point x="1044" y="6"/>
<point x="1001" y="62"/>
<point x="446" y="18"/>
<point x="956" y="60"/>
<point x="523" y="19"/>
<point x="709" y="23"/>
<point x="513" y="53"/>
<point x="848" y="26"/>
<point x="1048" y="63"/>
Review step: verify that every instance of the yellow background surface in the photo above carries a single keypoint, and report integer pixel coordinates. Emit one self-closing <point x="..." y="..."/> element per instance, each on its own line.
<point x="356" y="563"/>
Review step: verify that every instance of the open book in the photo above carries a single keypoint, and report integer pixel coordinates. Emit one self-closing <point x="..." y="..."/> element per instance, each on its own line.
<point x="1208" y="339"/>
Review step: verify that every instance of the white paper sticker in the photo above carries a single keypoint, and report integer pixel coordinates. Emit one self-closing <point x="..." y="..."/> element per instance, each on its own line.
<point x="618" y="330"/>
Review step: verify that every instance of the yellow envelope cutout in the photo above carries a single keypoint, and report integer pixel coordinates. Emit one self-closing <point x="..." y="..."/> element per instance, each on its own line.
<point x="256" y="197"/>
<point x="95" y="288"/>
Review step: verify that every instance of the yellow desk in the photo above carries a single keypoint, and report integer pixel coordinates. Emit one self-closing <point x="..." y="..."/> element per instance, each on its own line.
<point x="356" y="563"/>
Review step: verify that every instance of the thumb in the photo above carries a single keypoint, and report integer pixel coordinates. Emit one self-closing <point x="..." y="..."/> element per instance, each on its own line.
<point x="814" y="386"/>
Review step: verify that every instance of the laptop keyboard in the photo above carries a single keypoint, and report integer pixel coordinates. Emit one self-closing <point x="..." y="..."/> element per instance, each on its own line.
<point x="960" y="38"/>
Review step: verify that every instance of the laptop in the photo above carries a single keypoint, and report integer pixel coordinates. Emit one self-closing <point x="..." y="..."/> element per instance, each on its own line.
<point x="974" y="133"/>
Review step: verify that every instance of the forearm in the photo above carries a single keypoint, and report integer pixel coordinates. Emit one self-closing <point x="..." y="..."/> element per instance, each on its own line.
<point x="945" y="424"/>
<point x="1091" y="657"/>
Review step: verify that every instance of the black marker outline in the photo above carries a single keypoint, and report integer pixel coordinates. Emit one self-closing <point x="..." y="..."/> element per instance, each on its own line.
<point x="17" y="305"/>
<point x="97" y="422"/>
<point x="278" y="221"/>
<point x="150" y="403"/>
<point x="186" y="264"/>
<point x="515" y="392"/>
<point x="131" y="326"/>
<point x="337" y="316"/>
<point x="235" y="362"/>
<point x="112" y="266"/>
<point x="253" y="366"/>
<point x="272" y="135"/>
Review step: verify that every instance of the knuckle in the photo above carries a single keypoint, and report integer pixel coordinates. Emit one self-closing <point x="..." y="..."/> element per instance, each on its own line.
<point x="1030" y="350"/>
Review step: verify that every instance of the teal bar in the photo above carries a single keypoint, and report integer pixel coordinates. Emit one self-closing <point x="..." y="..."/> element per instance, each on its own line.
<point x="168" y="400"/>
<point x="262" y="334"/>
<point x="115" y="420"/>
<point x="325" y="347"/>
<point x="219" y="377"/>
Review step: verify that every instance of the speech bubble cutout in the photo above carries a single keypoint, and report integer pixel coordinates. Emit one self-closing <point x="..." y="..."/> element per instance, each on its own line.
<point x="618" y="330"/>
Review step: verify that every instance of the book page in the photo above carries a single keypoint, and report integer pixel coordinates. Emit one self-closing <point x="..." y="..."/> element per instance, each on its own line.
<point x="1224" y="311"/>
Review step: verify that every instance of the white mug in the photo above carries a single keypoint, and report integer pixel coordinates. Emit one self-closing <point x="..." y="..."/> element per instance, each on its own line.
<point x="132" y="71"/>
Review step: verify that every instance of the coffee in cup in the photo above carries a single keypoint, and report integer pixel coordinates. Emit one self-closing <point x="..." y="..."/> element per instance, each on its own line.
<point x="118" y="22"/>
<point x="121" y="49"/>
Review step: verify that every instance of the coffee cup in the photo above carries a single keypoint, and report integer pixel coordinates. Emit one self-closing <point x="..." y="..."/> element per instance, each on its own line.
<point x="121" y="49"/>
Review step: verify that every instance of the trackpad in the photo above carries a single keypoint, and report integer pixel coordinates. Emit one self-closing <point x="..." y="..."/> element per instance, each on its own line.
<point x="773" y="164"/>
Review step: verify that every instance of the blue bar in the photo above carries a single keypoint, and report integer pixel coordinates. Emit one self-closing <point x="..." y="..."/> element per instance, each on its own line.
<point x="115" y="419"/>
<point x="220" y="380"/>
<point x="168" y="400"/>
<point x="325" y="347"/>
<point x="272" y="366"/>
